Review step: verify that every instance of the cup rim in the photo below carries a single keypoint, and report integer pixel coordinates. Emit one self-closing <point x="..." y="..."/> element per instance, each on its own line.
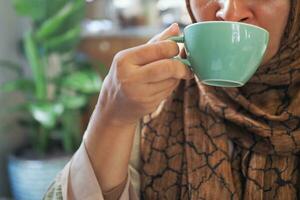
<point x="213" y="82"/>
<point x="226" y="22"/>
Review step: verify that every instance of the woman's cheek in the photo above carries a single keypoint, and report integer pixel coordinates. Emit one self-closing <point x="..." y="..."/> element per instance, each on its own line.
<point x="268" y="18"/>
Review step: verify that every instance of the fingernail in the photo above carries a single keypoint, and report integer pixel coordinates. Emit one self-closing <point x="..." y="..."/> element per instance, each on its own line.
<point x="174" y="27"/>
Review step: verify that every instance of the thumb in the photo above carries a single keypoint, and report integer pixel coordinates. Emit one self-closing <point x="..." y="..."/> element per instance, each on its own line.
<point x="172" y="30"/>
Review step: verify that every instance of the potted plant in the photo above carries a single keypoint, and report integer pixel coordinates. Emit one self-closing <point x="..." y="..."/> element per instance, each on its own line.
<point x="55" y="96"/>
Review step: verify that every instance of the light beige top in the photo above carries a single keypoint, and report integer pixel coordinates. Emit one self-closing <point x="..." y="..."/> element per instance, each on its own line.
<point x="78" y="181"/>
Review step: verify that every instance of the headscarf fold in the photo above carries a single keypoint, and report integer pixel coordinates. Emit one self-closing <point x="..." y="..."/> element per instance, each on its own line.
<point x="186" y="145"/>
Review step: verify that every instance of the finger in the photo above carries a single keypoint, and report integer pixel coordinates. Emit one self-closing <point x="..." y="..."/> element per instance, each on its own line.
<point x="162" y="70"/>
<point x="148" y="90"/>
<point x="148" y="53"/>
<point x="163" y="94"/>
<point x="154" y="88"/>
<point x="172" y="30"/>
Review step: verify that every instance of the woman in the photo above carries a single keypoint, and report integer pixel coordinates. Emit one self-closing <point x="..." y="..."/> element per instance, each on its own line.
<point x="203" y="142"/>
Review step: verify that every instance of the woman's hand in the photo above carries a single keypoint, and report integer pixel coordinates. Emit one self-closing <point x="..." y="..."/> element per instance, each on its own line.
<point x="141" y="78"/>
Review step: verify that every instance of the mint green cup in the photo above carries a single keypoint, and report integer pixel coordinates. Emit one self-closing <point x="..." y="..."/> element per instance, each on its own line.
<point x="224" y="54"/>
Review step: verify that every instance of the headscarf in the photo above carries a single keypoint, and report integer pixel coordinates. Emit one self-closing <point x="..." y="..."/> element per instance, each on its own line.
<point x="185" y="144"/>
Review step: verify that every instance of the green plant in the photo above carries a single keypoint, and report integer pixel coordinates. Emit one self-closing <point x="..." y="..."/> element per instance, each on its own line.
<point x="54" y="101"/>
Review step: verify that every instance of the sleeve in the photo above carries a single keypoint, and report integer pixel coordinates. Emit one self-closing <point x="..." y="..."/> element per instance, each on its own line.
<point x="116" y="192"/>
<point x="77" y="181"/>
<point x="55" y="190"/>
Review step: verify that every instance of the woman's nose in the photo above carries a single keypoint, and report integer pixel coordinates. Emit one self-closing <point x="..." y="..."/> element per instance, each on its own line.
<point x="234" y="10"/>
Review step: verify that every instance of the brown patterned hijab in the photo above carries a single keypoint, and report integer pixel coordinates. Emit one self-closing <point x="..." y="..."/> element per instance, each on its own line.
<point x="186" y="145"/>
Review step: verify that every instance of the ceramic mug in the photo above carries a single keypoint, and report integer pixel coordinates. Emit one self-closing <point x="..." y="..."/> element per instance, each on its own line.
<point x="224" y="54"/>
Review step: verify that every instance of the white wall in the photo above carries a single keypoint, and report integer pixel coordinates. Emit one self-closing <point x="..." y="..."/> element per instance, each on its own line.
<point x="10" y="135"/>
<point x="10" y="30"/>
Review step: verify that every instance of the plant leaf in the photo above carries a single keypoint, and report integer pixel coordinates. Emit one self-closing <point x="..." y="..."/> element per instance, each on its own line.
<point x="54" y="6"/>
<point x="36" y="9"/>
<point x="38" y="71"/>
<point x="85" y="81"/>
<point x="74" y="19"/>
<point x="74" y="101"/>
<point x="65" y="42"/>
<point x="58" y="22"/>
<point x="19" y="84"/>
<point x="46" y="113"/>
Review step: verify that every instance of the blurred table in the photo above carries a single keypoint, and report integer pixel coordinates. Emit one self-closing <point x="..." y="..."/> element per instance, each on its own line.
<point x="103" y="45"/>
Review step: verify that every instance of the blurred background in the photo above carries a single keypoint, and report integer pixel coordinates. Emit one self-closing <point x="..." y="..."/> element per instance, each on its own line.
<point x="53" y="58"/>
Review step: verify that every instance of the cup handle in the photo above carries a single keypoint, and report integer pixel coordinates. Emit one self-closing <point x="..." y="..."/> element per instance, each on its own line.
<point x="180" y="39"/>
